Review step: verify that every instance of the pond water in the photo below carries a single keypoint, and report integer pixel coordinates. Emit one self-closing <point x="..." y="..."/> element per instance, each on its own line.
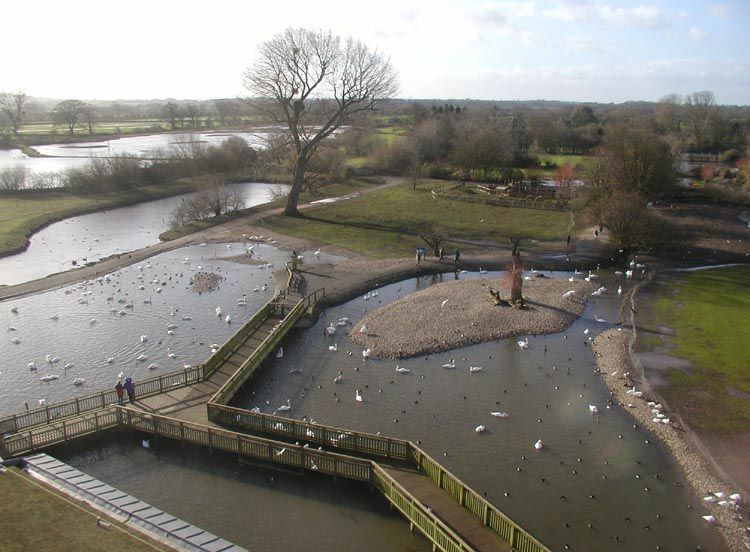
<point x="599" y="483"/>
<point x="88" y="238"/>
<point x="76" y="154"/>
<point x="86" y="332"/>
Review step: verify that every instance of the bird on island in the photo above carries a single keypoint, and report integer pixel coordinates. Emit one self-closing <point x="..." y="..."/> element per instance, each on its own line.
<point x="444" y="302"/>
<point x="362" y="329"/>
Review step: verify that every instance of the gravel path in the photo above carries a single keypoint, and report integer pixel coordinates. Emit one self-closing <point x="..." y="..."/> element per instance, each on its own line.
<point x="611" y="351"/>
<point x="460" y="313"/>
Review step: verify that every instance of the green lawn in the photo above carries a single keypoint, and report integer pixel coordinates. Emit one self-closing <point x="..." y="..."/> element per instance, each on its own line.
<point x="708" y="311"/>
<point x="560" y="159"/>
<point x="36" y="519"/>
<point x="387" y="222"/>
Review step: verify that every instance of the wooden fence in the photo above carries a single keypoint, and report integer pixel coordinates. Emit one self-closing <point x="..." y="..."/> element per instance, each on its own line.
<point x="96" y="401"/>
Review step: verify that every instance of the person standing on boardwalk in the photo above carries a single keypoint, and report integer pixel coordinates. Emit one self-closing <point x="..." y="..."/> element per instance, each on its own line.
<point x="130" y="388"/>
<point x="120" y="389"/>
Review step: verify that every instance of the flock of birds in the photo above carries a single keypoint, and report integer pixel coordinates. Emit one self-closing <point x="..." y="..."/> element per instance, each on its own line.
<point x="121" y="292"/>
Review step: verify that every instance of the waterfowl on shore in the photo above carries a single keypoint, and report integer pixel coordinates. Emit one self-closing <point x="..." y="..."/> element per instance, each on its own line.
<point x="331" y="329"/>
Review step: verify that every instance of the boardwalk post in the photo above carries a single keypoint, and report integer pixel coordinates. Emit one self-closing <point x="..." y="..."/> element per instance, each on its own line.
<point x="462" y="501"/>
<point x="182" y="433"/>
<point x="78" y="406"/>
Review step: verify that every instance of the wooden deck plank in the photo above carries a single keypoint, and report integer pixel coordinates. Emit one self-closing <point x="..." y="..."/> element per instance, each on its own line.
<point x="458" y="518"/>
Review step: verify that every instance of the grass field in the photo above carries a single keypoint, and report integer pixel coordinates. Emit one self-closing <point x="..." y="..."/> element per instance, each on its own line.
<point x="560" y="160"/>
<point x="388" y="222"/>
<point x="34" y="518"/>
<point x="23" y="213"/>
<point x="708" y="312"/>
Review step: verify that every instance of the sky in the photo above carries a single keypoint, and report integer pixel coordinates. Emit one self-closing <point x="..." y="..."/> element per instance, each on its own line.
<point x="574" y="50"/>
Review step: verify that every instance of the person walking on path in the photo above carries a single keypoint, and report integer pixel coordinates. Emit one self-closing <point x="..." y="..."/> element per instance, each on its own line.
<point x="440" y="253"/>
<point x="456" y="256"/>
<point x="130" y="388"/>
<point x="568" y="239"/>
<point x="120" y="389"/>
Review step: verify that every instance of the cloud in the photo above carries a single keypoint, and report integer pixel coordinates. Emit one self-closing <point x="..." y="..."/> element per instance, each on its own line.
<point x="650" y="17"/>
<point x="582" y="42"/>
<point x="719" y="10"/>
<point x="696" y="33"/>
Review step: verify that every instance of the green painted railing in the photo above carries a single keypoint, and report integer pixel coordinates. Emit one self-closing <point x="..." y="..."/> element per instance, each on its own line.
<point x="433" y="528"/>
<point x="255" y="447"/>
<point x="97" y="401"/>
<point x="343" y="439"/>
<point x="490" y="516"/>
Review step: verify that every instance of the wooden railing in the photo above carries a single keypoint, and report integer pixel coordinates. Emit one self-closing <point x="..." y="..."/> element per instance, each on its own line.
<point x="96" y="401"/>
<point x="343" y="439"/>
<point x="489" y="515"/>
<point x="418" y="514"/>
<point x="59" y="432"/>
<point x="255" y="447"/>
<point x="533" y="203"/>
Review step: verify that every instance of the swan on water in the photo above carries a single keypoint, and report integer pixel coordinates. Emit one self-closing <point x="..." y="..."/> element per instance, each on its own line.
<point x="366" y="353"/>
<point x="333" y="347"/>
<point x="228" y="319"/>
<point x="599" y="319"/>
<point x="55" y="317"/>
<point x="187" y="318"/>
<point x="342" y="323"/>
<point x="316" y="252"/>
<point x="78" y="381"/>
<point x="450" y="364"/>
<point x="49" y="377"/>
<point x="141" y="357"/>
<point x="68" y="365"/>
<point x="280" y="352"/>
<point x="524" y="344"/>
<point x="586" y="331"/>
<point x="330" y="329"/>
<point x="43" y="402"/>
<point x="16" y="341"/>
<point x="153" y="366"/>
<point x="358" y="396"/>
<point x="402" y="370"/>
<point x="171" y="355"/>
<point x="482" y="271"/>
<point x="14" y="310"/>
<point x="499" y="414"/>
<point x="480" y="429"/>
<point x="219" y="312"/>
<point x="144" y="338"/>
<point x="619" y="290"/>
<point x="32" y="365"/>
<point x="285" y="407"/>
<point x="538" y="445"/>
<point x="475" y="368"/>
<point x="593" y="408"/>
<point x="338" y="378"/>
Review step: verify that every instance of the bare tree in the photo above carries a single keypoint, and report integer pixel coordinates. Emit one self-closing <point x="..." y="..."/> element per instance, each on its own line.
<point x="224" y="108"/>
<point x="70" y="113"/>
<point x="516" y="272"/>
<point x="700" y="114"/>
<point x="12" y="106"/>
<point x="192" y="112"/>
<point x="435" y="237"/>
<point x="13" y="177"/>
<point x="314" y="81"/>
<point x="172" y="114"/>
<point x="89" y="117"/>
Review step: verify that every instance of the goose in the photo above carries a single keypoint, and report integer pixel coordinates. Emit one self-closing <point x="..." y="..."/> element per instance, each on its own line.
<point x="153" y="366"/>
<point x="280" y="352"/>
<point x="475" y="368"/>
<point x="480" y="429"/>
<point x="142" y="357"/>
<point x="450" y="364"/>
<point x="218" y="311"/>
<point x="285" y="407"/>
<point x="49" y="377"/>
<point x="402" y="370"/>
<point x="593" y="408"/>
<point x="79" y="381"/>
<point x="538" y="445"/>
<point x="333" y="347"/>
<point x="524" y="344"/>
<point x="499" y="414"/>
<point x="366" y="353"/>
<point x="228" y="319"/>
<point x="358" y="395"/>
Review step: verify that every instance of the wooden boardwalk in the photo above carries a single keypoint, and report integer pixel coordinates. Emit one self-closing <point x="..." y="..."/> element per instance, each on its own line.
<point x="192" y="406"/>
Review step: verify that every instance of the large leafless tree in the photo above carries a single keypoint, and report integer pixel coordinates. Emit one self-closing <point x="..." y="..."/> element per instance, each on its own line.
<point x="12" y="106"/>
<point x="313" y="81"/>
<point x="70" y="113"/>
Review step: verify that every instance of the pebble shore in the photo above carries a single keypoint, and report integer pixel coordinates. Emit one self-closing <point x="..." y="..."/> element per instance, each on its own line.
<point x="610" y="349"/>
<point x="461" y="313"/>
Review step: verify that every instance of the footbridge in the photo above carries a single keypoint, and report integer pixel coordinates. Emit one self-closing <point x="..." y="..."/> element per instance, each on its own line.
<point x="192" y="406"/>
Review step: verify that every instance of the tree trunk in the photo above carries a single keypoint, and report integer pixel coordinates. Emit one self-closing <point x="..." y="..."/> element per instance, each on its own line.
<point x="299" y="178"/>
<point x="516" y="293"/>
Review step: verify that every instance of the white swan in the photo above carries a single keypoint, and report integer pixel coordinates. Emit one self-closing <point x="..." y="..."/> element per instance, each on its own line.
<point x="32" y="365"/>
<point x="144" y="338"/>
<point x="450" y="364"/>
<point x="338" y="379"/>
<point x="569" y="293"/>
<point x="619" y="290"/>
<point x="366" y="353"/>
<point x="586" y="331"/>
<point x="78" y="381"/>
<point x="49" y="377"/>
<point x="444" y="302"/>
<point x="55" y="317"/>
<point x="711" y="520"/>
<point x="68" y="365"/>
<point x="228" y="319"/>
<point x="280" y="352"/>
<point x="524" y="344"/>
<point x="402" y="370"/>
<point x="482" y="271"/>
<point x="141" y="357"/>
<point x="593" y="408"/>
<point x="171" y="355"/>
<point x="153" y="366"/>
<point x="219" y="312"/>
<point x="358" y="396"/>
<point x="333" y="347"/>
<point x="475" y="368"/>
<point x="15" y="341"/>
<point x="538" y="445"/>
<point x="480" y="429"/>
<point x="285" y="407"/>
<point x="331" y="329"/>
<point x="499" y="414"/>
<point x="362" y="328"/>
